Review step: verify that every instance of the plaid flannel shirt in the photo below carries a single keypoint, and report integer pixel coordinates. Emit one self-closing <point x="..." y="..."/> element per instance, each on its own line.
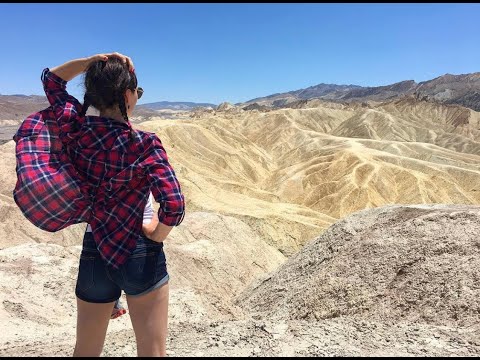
<point x="73" y="169"/>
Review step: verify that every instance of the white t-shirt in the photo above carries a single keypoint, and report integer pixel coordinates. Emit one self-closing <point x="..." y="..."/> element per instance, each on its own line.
<point x="147" y="213"/>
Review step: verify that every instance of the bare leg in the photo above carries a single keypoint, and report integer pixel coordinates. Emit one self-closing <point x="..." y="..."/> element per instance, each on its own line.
<point x="92" y="324"/>
<point x="149" y="314"/>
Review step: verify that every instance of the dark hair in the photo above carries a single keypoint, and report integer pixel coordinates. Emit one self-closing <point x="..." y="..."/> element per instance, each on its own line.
<point x="105" y="85"/>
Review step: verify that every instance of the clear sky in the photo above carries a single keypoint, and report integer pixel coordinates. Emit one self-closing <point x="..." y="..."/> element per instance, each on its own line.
<point x="237" y="52"/>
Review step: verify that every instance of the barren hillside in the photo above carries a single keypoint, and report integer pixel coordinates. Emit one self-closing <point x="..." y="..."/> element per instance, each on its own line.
<point x="378" y="283"/>
<point x="461" y="89"/>
<point x="254" y="270"/>
<point x="300" y="169"/>
<point x="398" y="263"/>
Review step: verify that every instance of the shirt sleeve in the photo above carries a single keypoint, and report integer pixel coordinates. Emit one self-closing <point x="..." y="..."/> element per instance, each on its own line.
<point x="65" y="107"/>
<point x="164" y="185"/>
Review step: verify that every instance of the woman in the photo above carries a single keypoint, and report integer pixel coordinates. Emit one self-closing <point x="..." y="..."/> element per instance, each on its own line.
<point x="119" y="166"/>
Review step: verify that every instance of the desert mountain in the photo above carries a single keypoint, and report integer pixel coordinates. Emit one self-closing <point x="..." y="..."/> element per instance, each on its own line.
<point x="449" y="89"/>
<point x="324" y="189"/>
<point x="292" y="172"/>
<point x="381" y="282"/>
<point x="462" y="89"/>
<point x="391" y="263"/>
<point x="15" y="108"/>
<point x="306" y="167"/>
<point x="175" y="105"/>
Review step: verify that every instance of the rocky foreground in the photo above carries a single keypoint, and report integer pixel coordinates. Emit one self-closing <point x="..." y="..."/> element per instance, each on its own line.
<point x="392" y="281"/>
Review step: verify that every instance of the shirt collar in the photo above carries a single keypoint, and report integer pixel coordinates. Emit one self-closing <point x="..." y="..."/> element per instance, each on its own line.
<point x="106" y="122"/>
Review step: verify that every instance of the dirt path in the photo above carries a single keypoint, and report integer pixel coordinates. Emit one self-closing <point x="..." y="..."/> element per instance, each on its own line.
<point x="337" y="337"/>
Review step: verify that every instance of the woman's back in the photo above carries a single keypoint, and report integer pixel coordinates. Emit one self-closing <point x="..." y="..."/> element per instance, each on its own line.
<point x="116" y="166"/>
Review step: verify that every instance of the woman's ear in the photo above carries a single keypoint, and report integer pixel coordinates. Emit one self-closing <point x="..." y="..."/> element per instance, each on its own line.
<point x="130" y="100"/>
<point x="126" y="99"/>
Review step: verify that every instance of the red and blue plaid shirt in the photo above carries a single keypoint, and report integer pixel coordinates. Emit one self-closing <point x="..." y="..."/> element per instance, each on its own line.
<point x="73" y="169"/>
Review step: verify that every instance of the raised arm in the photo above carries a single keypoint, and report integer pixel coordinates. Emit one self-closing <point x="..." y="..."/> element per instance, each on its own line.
<point x="72" y="68"/>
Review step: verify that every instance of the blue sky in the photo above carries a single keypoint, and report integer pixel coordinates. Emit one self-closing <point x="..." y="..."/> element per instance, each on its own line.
<point x="237" y="52"/>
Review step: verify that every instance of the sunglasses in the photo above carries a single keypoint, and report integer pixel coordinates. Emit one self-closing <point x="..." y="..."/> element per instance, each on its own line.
<point x="139" y="92"/>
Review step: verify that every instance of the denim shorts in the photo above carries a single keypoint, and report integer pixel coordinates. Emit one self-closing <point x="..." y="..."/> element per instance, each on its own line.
<point x="144" y="271"/>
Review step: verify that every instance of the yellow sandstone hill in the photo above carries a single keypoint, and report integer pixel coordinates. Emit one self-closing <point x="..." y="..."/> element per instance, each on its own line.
<point x="261" y="189"/>
<point x="292" y="172"/>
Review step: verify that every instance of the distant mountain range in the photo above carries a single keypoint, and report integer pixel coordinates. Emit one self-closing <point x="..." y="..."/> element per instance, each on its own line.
<point x="18" y="107"/>
<point x="450" y="89"/>
<point x="168" y="105"/>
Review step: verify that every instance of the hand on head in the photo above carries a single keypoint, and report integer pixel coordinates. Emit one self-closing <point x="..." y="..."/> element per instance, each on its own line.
<point x="104" y="57"/>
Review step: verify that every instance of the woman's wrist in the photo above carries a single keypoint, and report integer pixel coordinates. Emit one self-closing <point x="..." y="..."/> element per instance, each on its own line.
<point x="71" y="69"/>
<point x="161" y="231"/>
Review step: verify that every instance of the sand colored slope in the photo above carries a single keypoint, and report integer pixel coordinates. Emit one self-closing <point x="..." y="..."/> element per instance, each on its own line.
<point x="15" y="229"/>
<point x="353" y="175"/>
<point x="368" y="280"/>
<point x="290" y="173"/>
<point x="224" y="178"/>
<point x="303" y="168"/>
<point x="261" y="185"/>
<point x="210" y="258"/>
<point x="397" y="263"/>
<point x="450" y="126"/>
